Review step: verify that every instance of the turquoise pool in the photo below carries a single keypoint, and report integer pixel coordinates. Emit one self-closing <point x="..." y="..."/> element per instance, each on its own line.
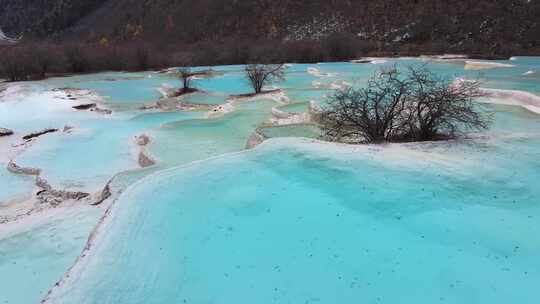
<point x="291" y="221"/>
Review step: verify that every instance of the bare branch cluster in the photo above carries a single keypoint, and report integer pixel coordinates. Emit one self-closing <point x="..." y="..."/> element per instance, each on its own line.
<point x="185" y="75"/>
<point x="413" y="106"/>
<point x="259" y="75"/>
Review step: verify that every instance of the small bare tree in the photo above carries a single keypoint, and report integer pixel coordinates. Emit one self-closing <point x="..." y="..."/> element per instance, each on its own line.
<point x="259" y="75"/>
<point x="371" y="114"/>
<point x="417" y="106"/>
<point x="443" y="107"/>
<point x="185" y="75"/>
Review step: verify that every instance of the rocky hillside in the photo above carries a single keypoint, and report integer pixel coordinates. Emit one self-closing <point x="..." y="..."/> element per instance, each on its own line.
<point x="433" y="24"/>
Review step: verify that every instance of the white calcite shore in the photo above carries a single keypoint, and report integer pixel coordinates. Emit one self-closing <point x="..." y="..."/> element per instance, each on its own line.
<point x="276" y="95"/>
<point x="484" y="65"/>
<point x="82" y="99"/>
<point x="526" y="100"/>
<point x="372" y="60"/>
<point x="317" y="73"/>
<point x="281" y="118"/>
<point x="43" y="196"/>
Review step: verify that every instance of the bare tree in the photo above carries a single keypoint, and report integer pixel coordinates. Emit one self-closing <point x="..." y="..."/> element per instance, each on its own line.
<point x="259" y="75"/>
<point x="370" y="114"/>
<point x="417" y="106"/>
<point x="185" y="75"/>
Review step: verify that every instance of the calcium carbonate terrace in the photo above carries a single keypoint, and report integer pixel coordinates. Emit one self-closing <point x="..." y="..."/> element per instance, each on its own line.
<point x="194" y="216"/>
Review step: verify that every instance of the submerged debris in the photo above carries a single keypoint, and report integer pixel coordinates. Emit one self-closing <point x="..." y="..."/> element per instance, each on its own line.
<point x="86" y="106"/>
<point x="55" y="197"/>
<point x="145" y="160"/>
<point x="37" y="134"/>
<point x="5" y="132"/>
<point x="67" y="129"/>
<point x="92" y="107"/>
<point x="255" y="139"/>
<point x="142" y="140"/>
<point x="16" y="169"/>
<point x="105" y="194"/>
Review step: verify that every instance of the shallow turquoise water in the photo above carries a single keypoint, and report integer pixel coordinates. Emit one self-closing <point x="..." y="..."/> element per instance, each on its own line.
<point x="186" y="141"/>
<point x="14" y="186"/>
<point x="34" y="259"/>
<point x="95" y="150"/>
<point x="240" y="229"/>
<point x="297" y="107"/>
<point x="120" y="90"/>
<point x="292" y="223"/>
<point x="299" y="130"/>
<point x="205" y="98"/>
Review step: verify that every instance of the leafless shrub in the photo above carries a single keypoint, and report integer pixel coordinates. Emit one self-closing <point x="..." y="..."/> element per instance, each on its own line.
<point x="259" y="75"/>
<point x="417" y="106"/>
<point x="185" y="75"/>
<point x="443" y="107"/>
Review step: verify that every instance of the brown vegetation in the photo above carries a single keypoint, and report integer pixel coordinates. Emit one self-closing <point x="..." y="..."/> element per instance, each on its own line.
<point x="259" y="75"/>
<point x="37" y="60"/>
<point x="394" y="106"/>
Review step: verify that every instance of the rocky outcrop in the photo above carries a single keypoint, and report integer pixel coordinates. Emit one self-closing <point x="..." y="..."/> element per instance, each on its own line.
<point x="101" y="110"/>
<point x="142" y="140"/>
<point x="16" y="169"/>
<point x="105" y="194"/>
<point x="254" y="140"/>
<point x="37" y="134"/>
<point x="67" y="129"/>
<point x="145" y="160"/>
<point x="5" y="132"/>
<point x="92" y="107"/>
<point x="55" y="197"/>
<point x="149" y="107"/>
<point x="86" y="106"/>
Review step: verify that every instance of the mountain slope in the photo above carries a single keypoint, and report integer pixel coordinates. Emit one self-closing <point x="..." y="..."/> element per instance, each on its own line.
<point x="453" y="24"/>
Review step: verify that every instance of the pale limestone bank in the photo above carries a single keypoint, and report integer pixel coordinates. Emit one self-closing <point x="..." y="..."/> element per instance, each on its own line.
<point x="16" y="169"/>
<point x="484" y="65"/>
<point x="526" y="100"/>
